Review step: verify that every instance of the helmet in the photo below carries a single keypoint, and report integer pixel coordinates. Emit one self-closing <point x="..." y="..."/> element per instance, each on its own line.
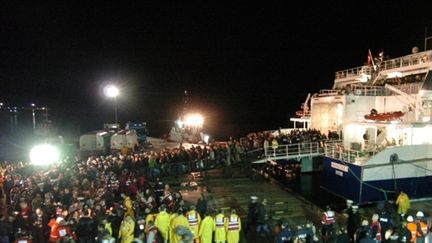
<point x="420" y="214"/>
<point x="410" y="218"/>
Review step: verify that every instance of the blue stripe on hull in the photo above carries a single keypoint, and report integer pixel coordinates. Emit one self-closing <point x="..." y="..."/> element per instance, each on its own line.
<point x="347" y="184"/>
<point x="415" y="187"/>
<point x="340" y="181"/>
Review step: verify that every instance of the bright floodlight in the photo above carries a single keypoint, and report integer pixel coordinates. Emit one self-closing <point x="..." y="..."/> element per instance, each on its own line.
<point x="44" y="154"/>
<point x="111" y="91"/>
<point x="194" y="120"/>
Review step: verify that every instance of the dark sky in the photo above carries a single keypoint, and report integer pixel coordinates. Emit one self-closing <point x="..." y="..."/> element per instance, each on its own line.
<point x="247" y="67"/>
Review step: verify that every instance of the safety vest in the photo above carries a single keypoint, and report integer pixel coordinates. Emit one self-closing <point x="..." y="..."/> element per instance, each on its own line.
<point x="412" y="227"/>
<point x="328" y="218"/>
<point x="219" y="221"/>
<point x="233" y="223"/>
<point x="192" y="218"/>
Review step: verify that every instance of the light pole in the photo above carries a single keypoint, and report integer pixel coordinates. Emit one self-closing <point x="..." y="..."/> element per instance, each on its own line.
<point x="112" y="91"/>
<point x="33" y="116"/>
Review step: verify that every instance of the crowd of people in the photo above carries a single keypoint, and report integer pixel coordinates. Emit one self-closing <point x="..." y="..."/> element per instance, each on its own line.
<point x="388" y="222"/>
<point x="257" y="140"/>
<point x="121" y="198"/>
<point x="115" y="198"/>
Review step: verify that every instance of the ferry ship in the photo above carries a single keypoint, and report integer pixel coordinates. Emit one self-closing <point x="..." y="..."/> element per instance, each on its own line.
<point x="382" y="113"/>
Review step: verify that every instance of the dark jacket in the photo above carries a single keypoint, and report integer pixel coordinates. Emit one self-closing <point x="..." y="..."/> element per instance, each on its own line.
<point x="86" y="228"/>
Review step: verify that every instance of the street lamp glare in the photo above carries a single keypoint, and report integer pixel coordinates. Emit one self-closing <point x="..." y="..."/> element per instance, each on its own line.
<point x="44" y="154"/>
<point x="111" y="91"/>
<point x="194" y="120"/>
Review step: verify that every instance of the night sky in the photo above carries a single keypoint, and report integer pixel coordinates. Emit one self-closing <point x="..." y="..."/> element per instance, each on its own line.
<point x="247" y="67"/>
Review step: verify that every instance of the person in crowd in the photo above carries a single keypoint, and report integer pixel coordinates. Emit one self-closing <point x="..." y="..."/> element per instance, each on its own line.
<point x="194" y="220"/>
<point x="422" y="227"/>
<point x="252" y="213"/>
<point x="5" y="228"/>
<point x="201" y="205"/>
<point x="262" y="227"/>
<point x="86" y="229"/>
<point x="412" y="228"/>
<point x="220" y="231"/>
<point x="152" y="234"/>
<point x="327" y="221"/>
<point x="206" y="229"/>
<point x="363" y="231"/>
<point x="285" y="235"/>
<point x="353" y="221"/>
<point x="376" y="228"/>
<point x="127" y="229"/>
<point x="39" y="226"/>
<point x="162" y="222"/>
<point x="403" y="203"/>
<point x="178" y="221"/>
<point x="233" y="227"/>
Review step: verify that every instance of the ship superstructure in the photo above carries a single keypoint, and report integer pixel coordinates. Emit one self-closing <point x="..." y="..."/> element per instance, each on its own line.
<point x="383" y="113"/>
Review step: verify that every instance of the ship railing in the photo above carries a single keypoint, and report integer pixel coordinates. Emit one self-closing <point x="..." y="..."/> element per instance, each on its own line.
<point x="368" y="90"/>
<point x="329" y="92"/>
<point x="353" y="72"/>
<point x="409" y="88"/>
<point x="335" y="149"/>
<point x="293" y="150"/>
<point x="408" y="60"/>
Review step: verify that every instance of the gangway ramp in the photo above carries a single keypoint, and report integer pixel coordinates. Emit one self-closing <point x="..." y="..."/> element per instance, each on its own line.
<point x="290" y="151"/>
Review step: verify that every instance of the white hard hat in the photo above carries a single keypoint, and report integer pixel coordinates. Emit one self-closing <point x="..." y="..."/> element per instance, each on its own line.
<point x="349" y="201"/>
<point x="420" y="214"/>
<point x="254" y="198"/>
<point x="355" y="207"/>
<point x="410" y="218"/>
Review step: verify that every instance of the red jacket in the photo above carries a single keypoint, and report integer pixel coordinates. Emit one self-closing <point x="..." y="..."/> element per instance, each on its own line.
<point x="59" y="232"/>
<point x="376" y="229"/>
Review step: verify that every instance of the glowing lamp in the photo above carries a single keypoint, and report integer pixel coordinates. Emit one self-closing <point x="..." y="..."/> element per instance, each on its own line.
<point x="44" y="154"/>
<point x="111" y="91"/>
<point x="194" y="120"/>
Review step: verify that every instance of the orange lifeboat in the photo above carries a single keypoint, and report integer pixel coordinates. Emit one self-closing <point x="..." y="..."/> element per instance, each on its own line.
<point x="388" y="116"/>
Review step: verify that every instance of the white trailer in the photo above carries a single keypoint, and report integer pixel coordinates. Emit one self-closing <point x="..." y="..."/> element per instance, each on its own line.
<point x="124" y="138"/>
<point x="96" y="142"/>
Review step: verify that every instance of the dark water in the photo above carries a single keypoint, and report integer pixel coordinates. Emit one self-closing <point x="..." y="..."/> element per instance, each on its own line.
<point x="308" y="186"/>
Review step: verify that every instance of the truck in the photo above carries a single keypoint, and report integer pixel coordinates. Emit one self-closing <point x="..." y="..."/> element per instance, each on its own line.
<point x="141" y="131"/>
<point x="124" y="138"/>
<point x="95" y="143"/>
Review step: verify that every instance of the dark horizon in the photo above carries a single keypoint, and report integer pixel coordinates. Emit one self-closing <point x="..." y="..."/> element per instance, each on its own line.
<point x="247" y="68"/>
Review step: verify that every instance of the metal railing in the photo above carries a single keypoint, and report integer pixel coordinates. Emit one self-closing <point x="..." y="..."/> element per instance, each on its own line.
<point x="410" y="88"/>
<point x="353" y="72"/>
<point x="408" y="60"/>
<point x="329" y="92"/>
<point x="293" y="150"/>
<point x="336" y="149"/>
<point x="368" y="90"/>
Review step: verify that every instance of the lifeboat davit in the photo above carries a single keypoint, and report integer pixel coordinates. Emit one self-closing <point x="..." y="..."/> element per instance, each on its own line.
<point x="388" y="116"/>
